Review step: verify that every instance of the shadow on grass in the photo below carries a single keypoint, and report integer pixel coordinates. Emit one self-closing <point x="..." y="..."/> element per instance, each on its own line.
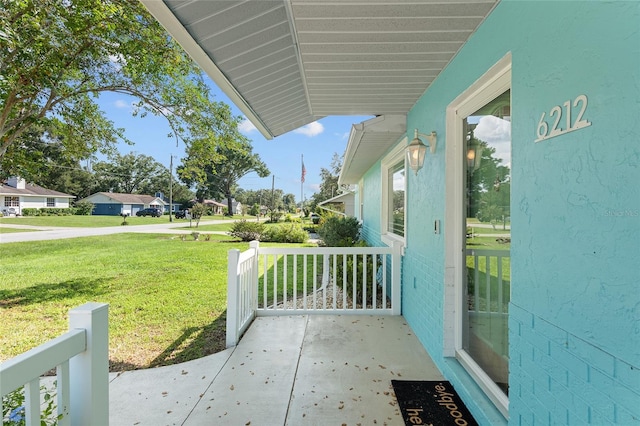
<point x="50" y="292"/>
<point x="194" y="343"/>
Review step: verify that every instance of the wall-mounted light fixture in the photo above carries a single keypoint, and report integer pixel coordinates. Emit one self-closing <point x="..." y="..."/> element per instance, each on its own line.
<point x="474" y="150"/>
<point x="416" y="150"/>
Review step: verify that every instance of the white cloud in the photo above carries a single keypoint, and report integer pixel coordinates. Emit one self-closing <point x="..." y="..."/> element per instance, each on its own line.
<point x="311" y="129"/>
<point x="246" y="126"/>
<point x="497" y="133"/>
<point x="122" y="104"/>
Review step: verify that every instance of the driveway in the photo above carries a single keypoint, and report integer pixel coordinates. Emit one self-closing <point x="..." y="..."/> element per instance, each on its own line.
<point x="56" y="233"/>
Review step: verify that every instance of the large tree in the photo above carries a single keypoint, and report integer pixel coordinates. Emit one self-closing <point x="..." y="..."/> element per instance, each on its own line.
<point x="488" y="184"/>
<point x="43" y="159"/>
<point x="214" y="165"/>
<point x="128" y="173"/>
<point x="329" y="187"/>
<point x="273" y="199"/>
<point x="56" y="57"/>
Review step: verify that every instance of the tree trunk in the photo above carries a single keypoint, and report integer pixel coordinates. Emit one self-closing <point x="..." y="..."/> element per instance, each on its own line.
<point x="229" y="204"/>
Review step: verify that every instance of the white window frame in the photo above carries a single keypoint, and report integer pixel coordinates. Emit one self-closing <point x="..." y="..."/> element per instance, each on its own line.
<point x="395" y="156"/>
<point x="54" y="202"/>
<point x="11" y="201"/>
<point x="494" y="82"/>
<point x="361" y="201"/>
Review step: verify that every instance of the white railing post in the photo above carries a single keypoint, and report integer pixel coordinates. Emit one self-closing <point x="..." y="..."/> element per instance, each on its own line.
<point x="89" y="370"/>
<point x="396" y="276"/>
<point x="232" y="297"/>
<point x="255" y="244"/>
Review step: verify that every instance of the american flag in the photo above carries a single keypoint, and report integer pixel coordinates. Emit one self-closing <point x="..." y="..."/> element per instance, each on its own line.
<point x="304" y="172"/>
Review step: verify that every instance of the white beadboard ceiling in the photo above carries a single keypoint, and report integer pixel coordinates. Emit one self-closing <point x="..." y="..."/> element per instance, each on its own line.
<point x="286" y="63"/>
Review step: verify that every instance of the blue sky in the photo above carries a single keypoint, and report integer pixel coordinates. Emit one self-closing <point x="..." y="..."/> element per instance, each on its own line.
<point x="317" y="141"/>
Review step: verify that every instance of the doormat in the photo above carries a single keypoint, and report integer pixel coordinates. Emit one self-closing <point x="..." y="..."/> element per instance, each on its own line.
<point x="431" y="403"/>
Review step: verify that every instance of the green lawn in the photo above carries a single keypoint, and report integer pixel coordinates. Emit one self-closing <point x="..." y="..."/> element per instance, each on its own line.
<point x="167" y="296"/>
<point x="217" y="227"/>
<point x="489" y="243"/>
<point x="98" y="221"/>
<point x="278" y="288"/>
<point x="5" y="230"/>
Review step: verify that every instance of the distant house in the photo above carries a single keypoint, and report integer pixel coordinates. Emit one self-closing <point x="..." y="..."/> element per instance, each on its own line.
<point x="16" y="194"/>
<point x="236" y="207"/>
<point x="343" y="204"/>
<point x="219" y="208"/>
<point x="114" y="203"/>
<point x="216" y="207"/>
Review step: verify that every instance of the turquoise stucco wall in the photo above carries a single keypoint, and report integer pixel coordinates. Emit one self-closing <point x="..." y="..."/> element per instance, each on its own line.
<point x="575" y="314"/>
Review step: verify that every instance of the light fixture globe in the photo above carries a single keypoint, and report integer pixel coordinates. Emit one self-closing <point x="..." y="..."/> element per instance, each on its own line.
<point x="415" y="154"/>
<point x="416" y="150"/>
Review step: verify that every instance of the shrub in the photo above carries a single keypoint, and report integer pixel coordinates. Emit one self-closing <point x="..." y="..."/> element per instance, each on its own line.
<point x="359" y="267"/>
<point x="290" y="219"/>
<point x="274" y="216"/>
<point x="340" y="231"/>
<point x="285" y="233"/>
<point x="247" y="231"/>
<point x="83" y="208"/>
<point x="254" y="210"/>
<point x="13" y="407"/>
<point x="48" y="211"/>
<point x="310" y="228"/>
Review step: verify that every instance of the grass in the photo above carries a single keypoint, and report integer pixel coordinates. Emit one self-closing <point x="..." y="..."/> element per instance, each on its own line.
<point x="216" y="227"/>
<point x="5" y="230"/>
<point x="279" y="288"/>
<point x="489" y="243"/>
<point x="95" y="221"/>
<point x="167" y="297"/>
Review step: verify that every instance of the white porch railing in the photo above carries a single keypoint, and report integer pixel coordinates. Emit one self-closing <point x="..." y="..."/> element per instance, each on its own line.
<point x="242" y="291"/>
<point x="310" y="280"/>
<point x="81" y="358"/>
<point x="490" y="291"/>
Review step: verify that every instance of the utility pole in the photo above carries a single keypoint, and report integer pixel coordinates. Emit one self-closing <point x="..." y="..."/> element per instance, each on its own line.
<point x="171" y="188"/>
<point x="273" y="201"/>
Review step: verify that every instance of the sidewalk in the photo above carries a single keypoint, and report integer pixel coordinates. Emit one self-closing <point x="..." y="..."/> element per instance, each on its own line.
<point x="289" y="370"/>
<point x="54" y="233"/>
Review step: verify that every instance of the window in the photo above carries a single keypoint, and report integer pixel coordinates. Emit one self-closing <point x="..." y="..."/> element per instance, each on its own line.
<point x="51" y="202"/>
<point x="395" y="216"/>
<point x="394" y="184"/>
<point x="12" y="201"/>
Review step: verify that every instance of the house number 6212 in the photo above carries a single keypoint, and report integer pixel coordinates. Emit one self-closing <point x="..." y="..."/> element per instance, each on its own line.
<point x="557" y="128"/>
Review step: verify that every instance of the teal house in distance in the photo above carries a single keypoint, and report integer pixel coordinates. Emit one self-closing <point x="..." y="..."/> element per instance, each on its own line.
<point x="521" y="227"/>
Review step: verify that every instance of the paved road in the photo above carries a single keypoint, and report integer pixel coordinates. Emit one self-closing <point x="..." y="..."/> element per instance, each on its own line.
<point x="54" y="233"/>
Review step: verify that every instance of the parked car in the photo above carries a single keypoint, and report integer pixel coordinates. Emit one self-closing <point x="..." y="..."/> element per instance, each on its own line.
<point x="149" y="212"/>
<point x="182" y="214"/>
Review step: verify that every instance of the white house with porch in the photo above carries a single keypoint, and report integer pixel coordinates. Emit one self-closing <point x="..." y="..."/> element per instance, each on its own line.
<point x="16" y="194"/>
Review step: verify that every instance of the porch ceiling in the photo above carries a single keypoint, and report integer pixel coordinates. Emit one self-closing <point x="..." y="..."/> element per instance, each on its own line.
<point x="286" y="63"/>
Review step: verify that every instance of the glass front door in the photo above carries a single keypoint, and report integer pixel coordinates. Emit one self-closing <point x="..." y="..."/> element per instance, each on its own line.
<point x="487" y="192"/>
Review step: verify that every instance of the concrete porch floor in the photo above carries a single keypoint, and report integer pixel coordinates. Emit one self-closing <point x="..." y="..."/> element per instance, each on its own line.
<point x="293" y="370"/>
